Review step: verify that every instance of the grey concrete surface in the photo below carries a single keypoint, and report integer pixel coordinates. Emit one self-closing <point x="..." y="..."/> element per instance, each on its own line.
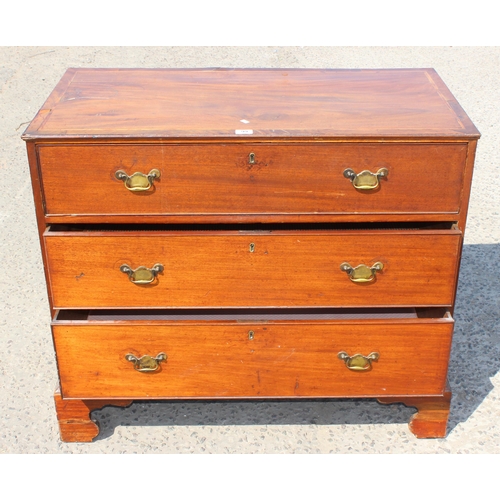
<point x="27" y="365"/>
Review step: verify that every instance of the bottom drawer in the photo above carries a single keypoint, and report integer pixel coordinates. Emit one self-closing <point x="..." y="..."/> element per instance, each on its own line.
<point x="240" y="354"/>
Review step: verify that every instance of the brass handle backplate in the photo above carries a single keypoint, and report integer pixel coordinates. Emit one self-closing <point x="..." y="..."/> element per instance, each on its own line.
<point x="361" y="273"/>
<point x="138" y="181"/>
<point x="365" y="180"/>
<point x="146" y="363"/>
<point x="358" y="362"/>
<point x="142" y="275"/>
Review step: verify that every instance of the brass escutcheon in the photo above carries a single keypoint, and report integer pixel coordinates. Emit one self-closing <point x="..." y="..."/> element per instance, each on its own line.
<point x="361" y="273"/>
<point x="142" y="275"/>
<point x="146" y="363"/>
<point x="138" y="181"/>
<point x="251" y="159"/>
<point x="358" y="362"/>
<point x="251" y="247"/>
<point x="365" y="180"/>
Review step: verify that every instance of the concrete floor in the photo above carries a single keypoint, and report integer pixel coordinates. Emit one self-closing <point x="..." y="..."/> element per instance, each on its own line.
<point x="27" y="365"/>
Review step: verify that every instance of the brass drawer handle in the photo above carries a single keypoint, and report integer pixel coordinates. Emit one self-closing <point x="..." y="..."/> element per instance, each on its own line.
<point x="146" y="363"/>
<point x="142" y="275"/>
<point x="138" y="181"/>
<point x="358" y="362"/>
<point x="361" y="273"/>
<point x="365" y="179"/>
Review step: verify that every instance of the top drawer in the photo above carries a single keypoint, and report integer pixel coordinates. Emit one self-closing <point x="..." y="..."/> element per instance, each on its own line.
<point x="237" y="179"/>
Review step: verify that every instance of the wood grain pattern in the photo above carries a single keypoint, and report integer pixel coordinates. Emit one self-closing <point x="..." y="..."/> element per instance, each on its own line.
<point x="467" y="181"/>
<point x="305" y="128"/>
<point x="36" y="185"/>
<point x="285" y="179"/>
<point x="173" y="103"/>
<point x="432" y="415"/>
<point x="73" y="416"/>
<point x="286" y="269"/>
<point x="284" y="359"/>
<point x="141" y="219"/>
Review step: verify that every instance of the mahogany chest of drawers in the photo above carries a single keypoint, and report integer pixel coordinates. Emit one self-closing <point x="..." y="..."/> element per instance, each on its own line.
<point x="251" y="233"/>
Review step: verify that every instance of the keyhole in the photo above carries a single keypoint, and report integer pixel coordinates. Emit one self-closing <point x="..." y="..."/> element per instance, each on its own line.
<point x="250" y="335"/>
<point x="251" y="158"/>
<point x="251" y="247"/>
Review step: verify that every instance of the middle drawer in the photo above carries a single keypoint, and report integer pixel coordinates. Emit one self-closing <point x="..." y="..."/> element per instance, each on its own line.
<point x="281" y="268"/>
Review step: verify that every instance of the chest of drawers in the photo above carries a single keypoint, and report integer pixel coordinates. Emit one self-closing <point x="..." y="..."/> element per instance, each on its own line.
<point x="219" y="233"/>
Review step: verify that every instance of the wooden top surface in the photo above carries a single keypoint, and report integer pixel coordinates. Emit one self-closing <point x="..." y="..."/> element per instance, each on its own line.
<point x="244" y="104"/>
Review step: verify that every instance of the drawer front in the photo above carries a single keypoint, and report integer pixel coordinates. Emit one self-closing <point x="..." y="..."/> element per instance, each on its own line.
<point x="277" y="360"/>
<point x="231" y="269"/>
<point x="224" y="179"/>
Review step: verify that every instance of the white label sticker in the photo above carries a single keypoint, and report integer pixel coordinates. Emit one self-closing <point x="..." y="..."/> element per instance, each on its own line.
<point x="243" y="132"/>
<point x="244" y="121"/>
